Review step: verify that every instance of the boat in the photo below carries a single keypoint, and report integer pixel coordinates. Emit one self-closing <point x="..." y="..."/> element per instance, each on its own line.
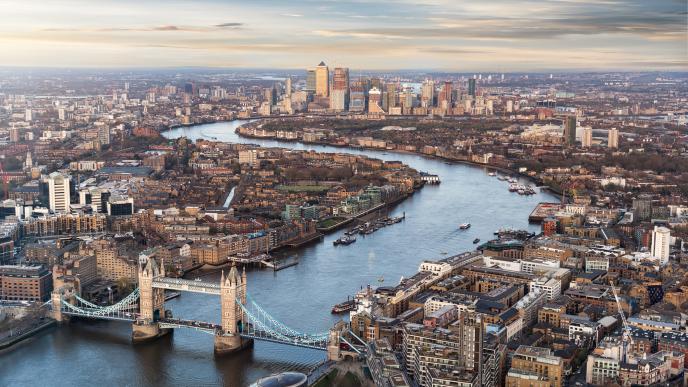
<point x="476" y="240"/>
<point x="491" y="174"/>
<point x="502" y="178"/>
<point x="464" y="226"/>
<point x="343" y="307"/>
<point x="345" y="240"/>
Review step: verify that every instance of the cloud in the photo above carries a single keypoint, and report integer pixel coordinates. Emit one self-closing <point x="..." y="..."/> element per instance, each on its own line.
<point x="226" y="25"/>
<point x="166" y="28"/>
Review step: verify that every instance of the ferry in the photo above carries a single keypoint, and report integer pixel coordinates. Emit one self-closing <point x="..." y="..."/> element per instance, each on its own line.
<point x="344" y="307"/>
<point x="476" y="240"/>
<point x="464" y="226"/>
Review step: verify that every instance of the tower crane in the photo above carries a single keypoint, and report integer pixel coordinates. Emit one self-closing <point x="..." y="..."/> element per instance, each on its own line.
<point x="626" y="337"/>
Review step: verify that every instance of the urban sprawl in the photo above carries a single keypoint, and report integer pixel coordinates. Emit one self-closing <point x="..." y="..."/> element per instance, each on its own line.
<point x="93" y="195"/>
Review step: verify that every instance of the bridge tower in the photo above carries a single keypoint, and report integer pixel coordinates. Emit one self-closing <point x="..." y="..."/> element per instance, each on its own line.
<point x="232" y="288"/>
<point x="56" y="297"/>
<point x="151" y="302"/>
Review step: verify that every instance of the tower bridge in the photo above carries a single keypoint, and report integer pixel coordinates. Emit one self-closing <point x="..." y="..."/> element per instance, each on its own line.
<point x="242" y="320"/>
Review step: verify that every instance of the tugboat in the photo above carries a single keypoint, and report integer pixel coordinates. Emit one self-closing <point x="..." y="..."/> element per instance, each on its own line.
<point x="476" y="240"/>
<point x="464" y="226"/>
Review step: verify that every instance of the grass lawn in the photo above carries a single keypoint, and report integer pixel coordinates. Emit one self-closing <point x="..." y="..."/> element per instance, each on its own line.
<point x="330" y="222"/>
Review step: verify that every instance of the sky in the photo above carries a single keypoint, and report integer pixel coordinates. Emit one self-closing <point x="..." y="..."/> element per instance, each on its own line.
<point x="442" y="35"/>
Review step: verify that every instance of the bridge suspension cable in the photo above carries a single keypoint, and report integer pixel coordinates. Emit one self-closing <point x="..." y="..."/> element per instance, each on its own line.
<point x="260" y="312"/>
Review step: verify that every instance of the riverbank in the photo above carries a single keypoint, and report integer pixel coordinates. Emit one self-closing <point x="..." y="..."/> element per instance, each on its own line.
<point x="13" y="340"/>
<point x="504" y="170"/>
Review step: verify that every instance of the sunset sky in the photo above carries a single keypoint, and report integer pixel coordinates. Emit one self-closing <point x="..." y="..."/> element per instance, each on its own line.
<point x="453" y="35"/>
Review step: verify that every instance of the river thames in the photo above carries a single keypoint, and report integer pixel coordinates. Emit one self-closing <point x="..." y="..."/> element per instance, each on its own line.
<point x="301" y="296"/>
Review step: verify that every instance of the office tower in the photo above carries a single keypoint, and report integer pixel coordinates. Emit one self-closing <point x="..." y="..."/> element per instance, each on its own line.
<point x="61" y="114"/>
<point x="471" y="87"/>
<point x="28" y="115"/>
<point x="374" y="100"/>
<point x="28" y="163"/>
<point x="58" y="192"/>
<point x="444" y="99"/>
<point x="339" y="99"/>
<point x="570" y="130"/>
<point x="390" y="96"/>
<point x="287" y="87"/>
<point x="661" y="237"/>
<point x="357" y="100"/>
<point x="190" y="88"/>
<point x="613" y="138"/>
<point x="322" y="80"/>
<point x="14" y="135"/>
<point x="310" y="80"/>
<point x="427" y="94"/>
<point x="587" y="137"/>
<point x="509" y="106"/>
<point x="642" y="208"/>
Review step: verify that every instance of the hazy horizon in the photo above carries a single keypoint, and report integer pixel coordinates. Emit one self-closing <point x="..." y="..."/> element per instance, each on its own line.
<point x="432" y="35"/>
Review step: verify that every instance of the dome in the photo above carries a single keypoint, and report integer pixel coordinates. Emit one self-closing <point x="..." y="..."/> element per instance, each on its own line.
<point x="285" y="379"/>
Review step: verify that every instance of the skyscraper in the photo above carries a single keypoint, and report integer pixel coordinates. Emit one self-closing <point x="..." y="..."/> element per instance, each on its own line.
<point x="444" y="99"/>
<point x="374" y="100"/>
<point x="58" y="192"/>
<point x="322" y="80"/>
<point x="287" y="87"/>
<point x="339" y="98"/>
<point x="587" y="137"/>
<point x="358" y="99"/>
<point x="661" y="237"/>
<point x="570" y="130"/>
<point x="613" y="138"/>
<point x="390" y="96"/>
<point x="310" y="80"/>
<point x="427" y="94"/>
<point x="471" y="87"/>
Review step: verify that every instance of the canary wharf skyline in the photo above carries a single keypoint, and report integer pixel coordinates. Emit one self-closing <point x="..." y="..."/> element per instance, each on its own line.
<point x="443" y="35"/>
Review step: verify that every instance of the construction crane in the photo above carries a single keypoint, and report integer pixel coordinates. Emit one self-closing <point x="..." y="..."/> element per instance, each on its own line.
<point x="626" y="337"/>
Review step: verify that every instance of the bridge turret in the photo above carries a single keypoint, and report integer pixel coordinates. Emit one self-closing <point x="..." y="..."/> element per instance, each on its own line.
<point x="232" y="288"/>
<point x="151" y="301"/>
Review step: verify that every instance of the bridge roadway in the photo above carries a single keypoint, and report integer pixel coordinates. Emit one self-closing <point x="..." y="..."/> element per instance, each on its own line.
<point x="191" y="324"/>
<point x="186" y="285"/>
<point x="250" y="333"/>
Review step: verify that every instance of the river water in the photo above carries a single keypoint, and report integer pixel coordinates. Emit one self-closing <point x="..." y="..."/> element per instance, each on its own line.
<point x="88" y="352"/>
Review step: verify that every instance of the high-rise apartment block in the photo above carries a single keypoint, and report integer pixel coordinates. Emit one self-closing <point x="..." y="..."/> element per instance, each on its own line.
<point x="570" y="130"/>
<point x="661" y="240"/>
<point x="58" y="192"/>
<point x="613" y="138"/>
